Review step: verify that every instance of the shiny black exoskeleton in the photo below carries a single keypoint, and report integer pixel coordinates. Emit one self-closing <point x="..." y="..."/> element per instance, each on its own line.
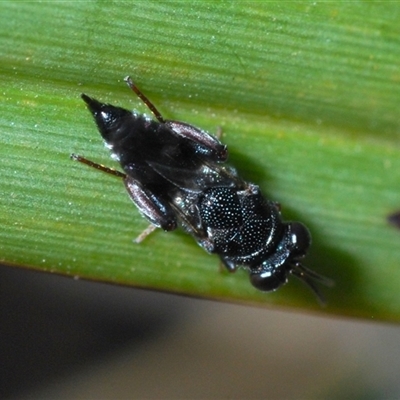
<point x="176" y="175"/>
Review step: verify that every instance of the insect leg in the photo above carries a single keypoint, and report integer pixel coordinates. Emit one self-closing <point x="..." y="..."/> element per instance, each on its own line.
<point x="145" y="100"/>
<point x="157" y="211"/>
<point x="149" y="230"/>
<point x="213" y="149"/>
<point x="216" y="150"/>
<point x="229" y="265"/>
<point x="151" y="207"/>
<point x="100" y="167"/>
<point x="219" y="133"/>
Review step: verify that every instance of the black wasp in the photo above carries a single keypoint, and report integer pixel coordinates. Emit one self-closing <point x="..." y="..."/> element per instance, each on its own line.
<point x="176" y="175"/>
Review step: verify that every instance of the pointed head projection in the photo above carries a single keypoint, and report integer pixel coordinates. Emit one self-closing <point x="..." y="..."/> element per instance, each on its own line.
<point x="108" y="118"/>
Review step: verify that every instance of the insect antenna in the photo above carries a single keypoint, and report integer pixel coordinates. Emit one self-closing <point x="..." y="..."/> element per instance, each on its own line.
<point x="310" y="277"/>
<point x="145" y="100"/>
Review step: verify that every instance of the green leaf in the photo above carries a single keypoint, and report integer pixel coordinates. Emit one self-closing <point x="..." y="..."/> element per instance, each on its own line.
<point x="307" y="94"/>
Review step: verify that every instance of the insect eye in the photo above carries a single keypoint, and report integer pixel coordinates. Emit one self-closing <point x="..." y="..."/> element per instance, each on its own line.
<point x="300" y="240"/>
<point x="268" y="281"/>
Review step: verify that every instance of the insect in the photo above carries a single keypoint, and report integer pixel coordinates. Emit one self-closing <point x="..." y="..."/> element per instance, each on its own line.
<point x="177" y="176"/>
